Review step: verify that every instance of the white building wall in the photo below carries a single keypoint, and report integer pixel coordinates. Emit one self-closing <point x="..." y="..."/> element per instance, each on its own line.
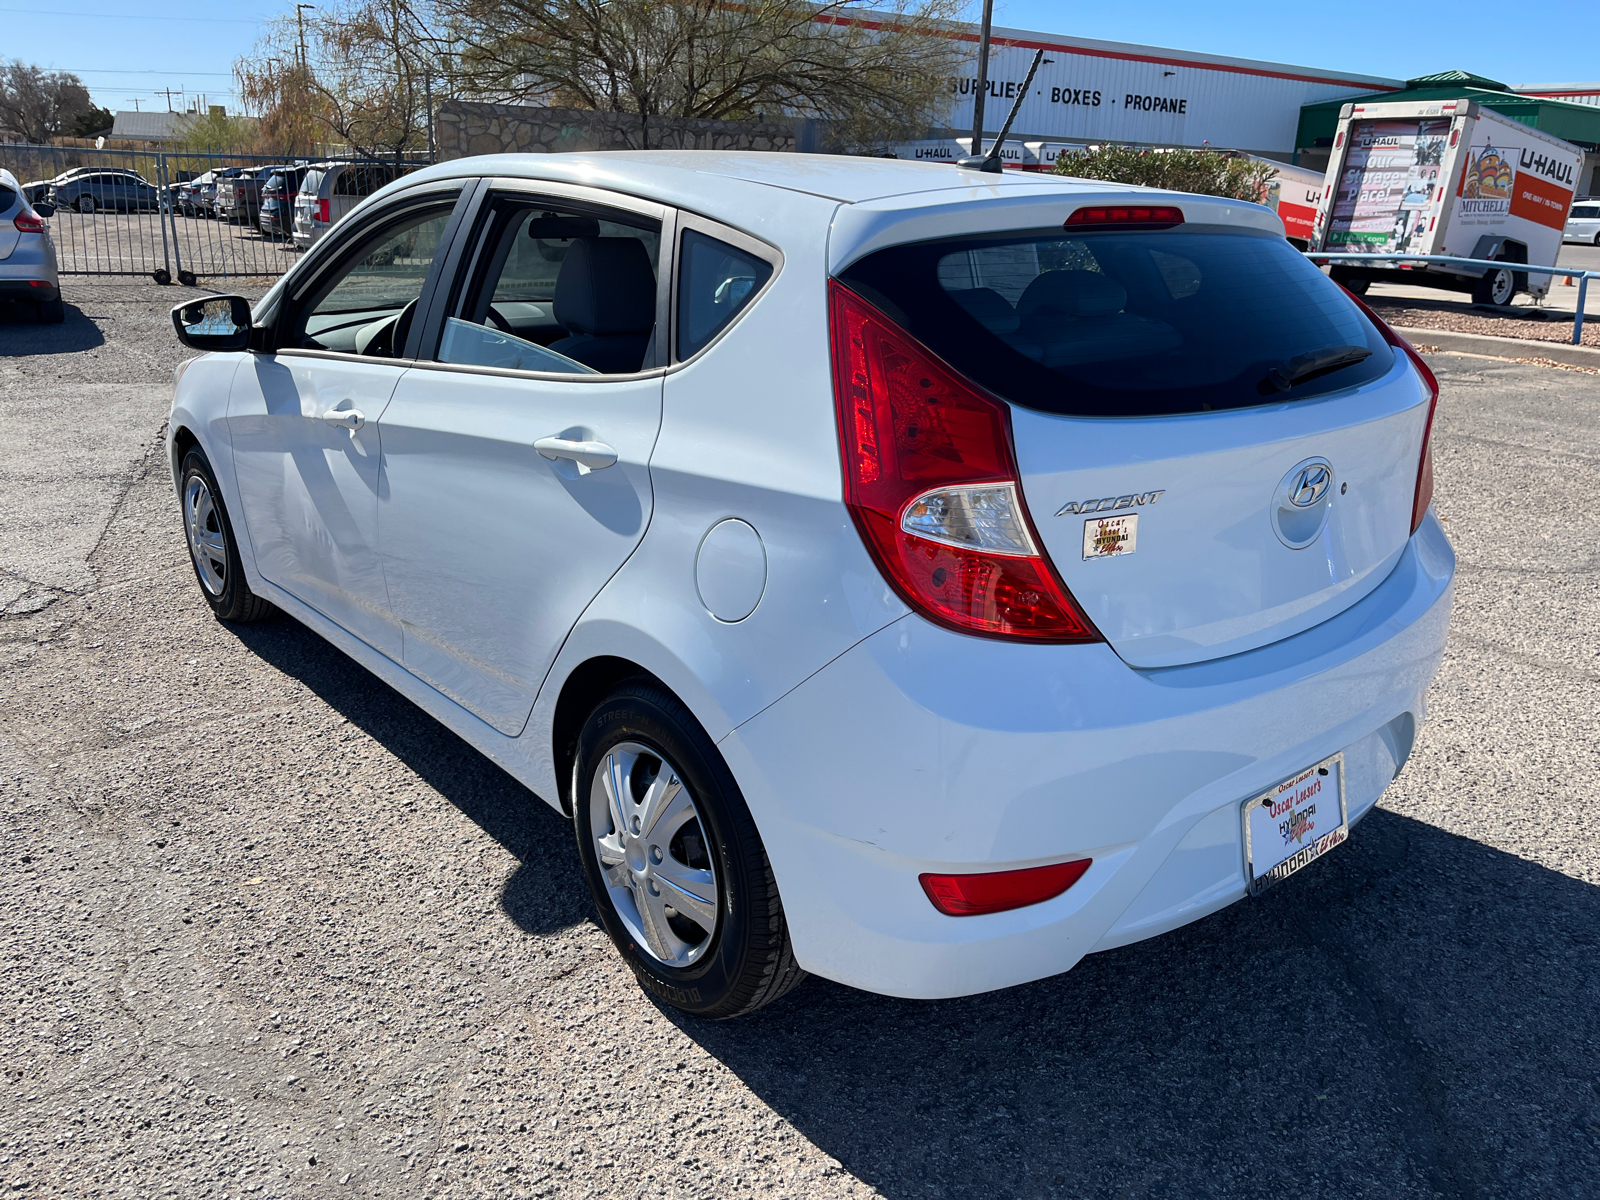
<point x="1113" y="91"/>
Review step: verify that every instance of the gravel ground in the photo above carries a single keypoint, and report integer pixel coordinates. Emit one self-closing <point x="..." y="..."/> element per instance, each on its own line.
<point x="1461" y="316"/>
<point x="269" y="931"/>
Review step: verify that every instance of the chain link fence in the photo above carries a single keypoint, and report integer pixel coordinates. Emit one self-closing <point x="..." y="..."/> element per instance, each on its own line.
<point x="159" y="213"/>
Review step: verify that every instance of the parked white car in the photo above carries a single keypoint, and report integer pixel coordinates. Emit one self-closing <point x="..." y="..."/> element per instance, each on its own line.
<point x="27" y="254"/>
<point x="1583" y="223"/>
<point x="917" y="577"/>
<point x="330" y="190"/>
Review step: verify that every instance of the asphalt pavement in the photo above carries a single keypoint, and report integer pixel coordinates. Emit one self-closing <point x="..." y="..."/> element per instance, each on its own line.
<point x="268" y="930"/>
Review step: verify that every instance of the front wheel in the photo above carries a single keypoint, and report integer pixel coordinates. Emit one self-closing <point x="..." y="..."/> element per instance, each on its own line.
<point x="213" y="550"/>
<point x="673" y="859"/>
<point x="86" y="205"/>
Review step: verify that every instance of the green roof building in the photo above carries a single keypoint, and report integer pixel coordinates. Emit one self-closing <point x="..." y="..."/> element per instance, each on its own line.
<point x="1575" y="123"/>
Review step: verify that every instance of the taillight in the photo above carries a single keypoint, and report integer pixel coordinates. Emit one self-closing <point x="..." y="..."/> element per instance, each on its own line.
<point x="28" y="223"/>
<point x="1423" y="496"/>
<point x="1144" y="215"/>
<point x="322" y="211"/>
<point x="997" y="891"/>
<point x="931" y="481"/>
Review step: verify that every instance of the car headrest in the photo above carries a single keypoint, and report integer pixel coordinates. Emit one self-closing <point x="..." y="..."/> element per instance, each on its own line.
<point x="1076" y="293"/>
<point x="606" y="287"/>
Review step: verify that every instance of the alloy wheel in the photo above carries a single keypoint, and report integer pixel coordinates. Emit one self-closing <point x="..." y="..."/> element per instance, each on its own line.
<point x="86" y="204"/>
<point x="654" y="852"/>
<point x="207" y="543"/>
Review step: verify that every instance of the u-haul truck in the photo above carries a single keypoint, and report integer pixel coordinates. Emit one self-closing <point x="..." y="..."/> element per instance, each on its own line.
<point x="1295" y="193"/>
<point x="1445" y="177"/>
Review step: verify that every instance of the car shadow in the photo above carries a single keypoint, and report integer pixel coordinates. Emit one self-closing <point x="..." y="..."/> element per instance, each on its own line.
<point x="1412" y="1015"/>
<point x="22" y="335"/>
<point x="547" y="892"/>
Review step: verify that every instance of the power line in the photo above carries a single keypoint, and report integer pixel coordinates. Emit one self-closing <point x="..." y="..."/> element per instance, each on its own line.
<point x="118" y="71"/>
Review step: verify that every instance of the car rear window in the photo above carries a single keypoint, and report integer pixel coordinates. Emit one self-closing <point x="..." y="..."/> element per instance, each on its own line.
<point x="7" y="198"/>
<point x="1128" y="322"/>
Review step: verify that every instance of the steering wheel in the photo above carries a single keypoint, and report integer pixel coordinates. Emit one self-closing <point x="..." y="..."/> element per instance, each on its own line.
<point x="495" y="318"/>
<point x="386" y="336"/>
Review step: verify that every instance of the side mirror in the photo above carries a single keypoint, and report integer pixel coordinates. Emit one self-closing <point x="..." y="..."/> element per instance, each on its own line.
<point x="213" y="323"/>
<point x="45" y="209"/>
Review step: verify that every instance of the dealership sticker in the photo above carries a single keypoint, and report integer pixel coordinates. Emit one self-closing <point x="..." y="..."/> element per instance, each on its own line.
<point x="1108" y="537"/>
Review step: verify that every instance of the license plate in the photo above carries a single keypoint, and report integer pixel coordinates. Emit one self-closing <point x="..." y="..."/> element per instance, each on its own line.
<point x="1295" y="823"/>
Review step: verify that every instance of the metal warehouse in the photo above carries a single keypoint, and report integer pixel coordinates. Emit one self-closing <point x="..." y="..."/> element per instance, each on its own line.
<point x="1090" y="91"/>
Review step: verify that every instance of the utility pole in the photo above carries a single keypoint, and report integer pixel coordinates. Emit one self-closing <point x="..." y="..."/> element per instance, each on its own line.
<point x="983" y="78"/>
<point x="427" y="90"/>
<point x="300" y="17"/>
<point x="167" y="92"/>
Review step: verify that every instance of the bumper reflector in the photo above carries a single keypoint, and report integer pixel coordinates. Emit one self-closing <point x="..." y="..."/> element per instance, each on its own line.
<point x="997" y="891"/>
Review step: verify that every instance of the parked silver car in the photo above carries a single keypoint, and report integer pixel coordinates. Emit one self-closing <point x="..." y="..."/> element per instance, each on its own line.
<point x="27" y="255"/>
<point x="330" y="190"/>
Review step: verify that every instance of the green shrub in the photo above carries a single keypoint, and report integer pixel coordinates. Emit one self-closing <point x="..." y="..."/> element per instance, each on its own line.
<point x="1206" y="172"/>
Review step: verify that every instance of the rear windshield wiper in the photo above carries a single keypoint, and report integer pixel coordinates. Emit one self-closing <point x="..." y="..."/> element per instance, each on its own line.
<point x="1306" y="366"/>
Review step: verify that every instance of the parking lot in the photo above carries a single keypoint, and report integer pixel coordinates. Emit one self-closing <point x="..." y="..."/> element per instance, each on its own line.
<point x="135" y="244"/>
<point x="268" y="930"/>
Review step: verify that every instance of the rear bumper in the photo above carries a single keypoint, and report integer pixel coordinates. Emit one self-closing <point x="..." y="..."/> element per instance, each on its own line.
<point x="22" y="289"/>
<point x="925" y="750"/>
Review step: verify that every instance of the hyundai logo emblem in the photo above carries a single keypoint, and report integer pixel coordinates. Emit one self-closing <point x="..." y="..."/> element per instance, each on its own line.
<point x="1303" y="503"/>
<point x="1310" y="484"/>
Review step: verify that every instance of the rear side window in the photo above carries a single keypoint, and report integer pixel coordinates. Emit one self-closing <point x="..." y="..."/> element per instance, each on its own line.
<point x="1128" y="323"/>
<point x="716" y="281"/>
<point x="7" y="199"/>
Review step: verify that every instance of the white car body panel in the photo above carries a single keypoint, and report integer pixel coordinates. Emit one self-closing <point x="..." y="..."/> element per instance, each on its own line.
<point x="310" y="489"/>
<point x="870" y="744"/>
<point x="476" y="525"/>
<point x="1210" y="577"/>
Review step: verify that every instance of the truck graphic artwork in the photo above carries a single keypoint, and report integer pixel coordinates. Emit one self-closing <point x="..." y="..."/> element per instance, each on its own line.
<point x="1486" y="187"/>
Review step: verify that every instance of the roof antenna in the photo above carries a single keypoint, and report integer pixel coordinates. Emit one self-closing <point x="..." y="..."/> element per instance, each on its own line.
<point x="991" y="162"/>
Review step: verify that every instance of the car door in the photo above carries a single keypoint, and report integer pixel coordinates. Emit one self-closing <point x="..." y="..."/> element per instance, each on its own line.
<point x="304" y="417"/>
<point x="516" y="452"/>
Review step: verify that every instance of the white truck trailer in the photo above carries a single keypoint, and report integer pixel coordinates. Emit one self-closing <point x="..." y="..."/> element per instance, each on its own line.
<point x="1445" y="177"/>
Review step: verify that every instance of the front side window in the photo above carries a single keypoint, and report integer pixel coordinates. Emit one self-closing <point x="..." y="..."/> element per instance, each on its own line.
<point x="558" y="288"/>
<point x="1128" y="323"/>
<point x="716" y="281"/>
<point x="368" y="305"/>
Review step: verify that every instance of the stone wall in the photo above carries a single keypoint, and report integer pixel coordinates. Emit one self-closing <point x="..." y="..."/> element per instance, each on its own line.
<point x="462" y="128"/>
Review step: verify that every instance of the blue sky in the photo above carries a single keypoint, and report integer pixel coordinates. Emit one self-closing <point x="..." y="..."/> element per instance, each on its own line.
<point x="125" y="51"/>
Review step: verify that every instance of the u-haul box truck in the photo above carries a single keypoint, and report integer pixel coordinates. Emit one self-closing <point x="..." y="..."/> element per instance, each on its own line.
<point x="1295" y="193"/>
<point x="1445" y="177"/>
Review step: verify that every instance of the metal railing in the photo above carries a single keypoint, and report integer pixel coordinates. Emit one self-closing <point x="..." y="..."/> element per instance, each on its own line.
<point x="1450" y="260"/>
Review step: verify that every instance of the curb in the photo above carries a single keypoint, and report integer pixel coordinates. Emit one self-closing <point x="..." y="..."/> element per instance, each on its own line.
<point x="1502" y="347"/>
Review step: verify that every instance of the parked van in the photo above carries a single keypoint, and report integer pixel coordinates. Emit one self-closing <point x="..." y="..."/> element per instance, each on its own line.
<point x="1583" y="225"/>
<point x="332" y="189"/>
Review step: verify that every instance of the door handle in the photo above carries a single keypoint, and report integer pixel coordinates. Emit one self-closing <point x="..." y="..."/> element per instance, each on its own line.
<point x="590" y="456"/>
<point x="349" y="419"/>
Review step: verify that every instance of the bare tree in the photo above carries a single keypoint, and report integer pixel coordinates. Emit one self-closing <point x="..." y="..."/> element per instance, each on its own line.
<point x="362" y="76"/>
<point x="874" y="76"/>
<point x="38" y="105"/>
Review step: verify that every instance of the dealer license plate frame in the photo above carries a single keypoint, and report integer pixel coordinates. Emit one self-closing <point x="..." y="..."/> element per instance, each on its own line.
<point x="1304" y="857"/>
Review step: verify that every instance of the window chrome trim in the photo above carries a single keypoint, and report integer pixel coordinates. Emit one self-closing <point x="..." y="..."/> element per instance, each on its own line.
<point x="739" y="240"/>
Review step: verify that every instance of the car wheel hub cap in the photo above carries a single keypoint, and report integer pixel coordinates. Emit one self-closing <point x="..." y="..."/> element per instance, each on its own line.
<point x="654" y="854"/>
<point x="207" y="543"/>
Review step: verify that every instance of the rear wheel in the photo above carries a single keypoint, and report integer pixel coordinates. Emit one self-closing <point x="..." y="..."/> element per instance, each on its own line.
<point x="673" y="859"/>
<point x="52" y="312"/>
<point x="212" y="548"/>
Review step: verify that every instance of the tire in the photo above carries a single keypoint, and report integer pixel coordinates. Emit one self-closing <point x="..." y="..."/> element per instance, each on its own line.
<point x="641" y="741"/>
<point x="162" y="276"/>
<point x="213" y="550"/>
<point x="52" y="312"/>
<point x="85" y="205"/>
<point x="1497" y="288"/>
<point x="187" y="278"/>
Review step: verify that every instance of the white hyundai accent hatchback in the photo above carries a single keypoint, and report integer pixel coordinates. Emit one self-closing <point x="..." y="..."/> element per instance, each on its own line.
<point x="914" y="576"/>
